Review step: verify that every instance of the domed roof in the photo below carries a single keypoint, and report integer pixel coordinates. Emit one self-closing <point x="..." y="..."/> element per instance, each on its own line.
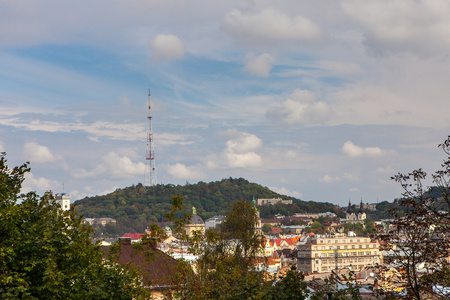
<point x="196" y="219"/>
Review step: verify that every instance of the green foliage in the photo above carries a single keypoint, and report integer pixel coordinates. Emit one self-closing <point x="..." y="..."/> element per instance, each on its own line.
<point x="226" y="266"/>
<point x="135" y="207"/>
<point x="46" y="253"/>
<point x="289" y="286"/>
<point x="266" y="228"/>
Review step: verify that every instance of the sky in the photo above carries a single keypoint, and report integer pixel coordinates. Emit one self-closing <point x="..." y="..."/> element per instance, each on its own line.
<point x="320" y="100"/>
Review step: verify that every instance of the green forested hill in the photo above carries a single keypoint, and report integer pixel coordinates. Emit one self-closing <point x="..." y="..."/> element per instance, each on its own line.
<point x="135" y="207"/>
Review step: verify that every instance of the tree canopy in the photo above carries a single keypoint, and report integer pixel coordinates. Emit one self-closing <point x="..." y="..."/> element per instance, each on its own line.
<point x="137" y="206"/>
<point x="46" y="253"/>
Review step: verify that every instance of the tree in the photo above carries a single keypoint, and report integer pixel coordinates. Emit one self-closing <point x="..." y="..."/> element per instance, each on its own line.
<point x="289" y="286"/>
<point x="418" y="238"/>
<point x="266" y="228"/>
<point x="46" y="253"/>
<point x="226" y="264"/>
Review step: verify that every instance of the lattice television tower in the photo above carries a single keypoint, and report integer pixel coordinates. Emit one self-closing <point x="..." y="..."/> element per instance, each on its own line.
<point x="150" y="167"/>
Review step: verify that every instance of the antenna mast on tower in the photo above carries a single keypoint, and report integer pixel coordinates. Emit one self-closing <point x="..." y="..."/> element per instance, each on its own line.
<point x="150" y="167"/>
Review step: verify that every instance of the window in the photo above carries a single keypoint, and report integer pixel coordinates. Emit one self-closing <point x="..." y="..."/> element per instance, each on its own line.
<point x="317" y="262"/>
<point x="339" y="247"/>
<point x="353" y="246"/>
<point x="345" y="247"/>
<point x="360" y="246"/>
<point x="367" y="246"/>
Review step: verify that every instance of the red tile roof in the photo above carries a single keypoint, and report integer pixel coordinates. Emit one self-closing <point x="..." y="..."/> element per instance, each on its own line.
<point x="133" y="236"/>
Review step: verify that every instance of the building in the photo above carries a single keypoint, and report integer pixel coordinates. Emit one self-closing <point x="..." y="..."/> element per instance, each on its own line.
<point x="99" y="221"/>
<point x="352" y="217"/>
<point x="272" y="201"/>
<point x="195" y="223"/>
<point x="324" y="253"/>
<point x="214" y="222"/>
<point x="63" y="200"/>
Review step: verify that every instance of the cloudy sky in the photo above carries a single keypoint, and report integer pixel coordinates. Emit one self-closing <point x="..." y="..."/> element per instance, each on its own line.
<point x="320" y="100"/>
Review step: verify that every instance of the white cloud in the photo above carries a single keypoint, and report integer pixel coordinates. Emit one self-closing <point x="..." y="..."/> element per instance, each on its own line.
<point x="36" y="153"/>
<point x="285" y="191"/>
<point x="386" y="170"/>
<point x="421" y="27"/>
<point x="112" y="166"/>
<point x="351" y="177"/>
<point x="268" y="26"/>
<point x="353" y="189"/>
<point x="181" y="171"/>
<point x="259" y="65"/>
<point x="242" y="142"/>
<point x="353" y="150"/>
<point x="300" y="108"/>
<point x="38" y="184"/>
<point x="243" y="160"/>
<point x="329" y="179"/>
<point x="111" y="130"/>
<point x="239" y="152"/>
<point x="167" y="47"/>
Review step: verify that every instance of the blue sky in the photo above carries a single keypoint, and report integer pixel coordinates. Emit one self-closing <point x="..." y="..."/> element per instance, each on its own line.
<point x="320" y="100"/>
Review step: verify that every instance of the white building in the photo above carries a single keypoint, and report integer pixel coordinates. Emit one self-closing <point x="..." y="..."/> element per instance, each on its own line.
<point x="213" y="222"/>
<point x="324" y="253"/>
<point x="63" y="200"/>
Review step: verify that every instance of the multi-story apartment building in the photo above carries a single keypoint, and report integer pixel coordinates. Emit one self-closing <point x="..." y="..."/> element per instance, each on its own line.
<point x="324" y="253"/>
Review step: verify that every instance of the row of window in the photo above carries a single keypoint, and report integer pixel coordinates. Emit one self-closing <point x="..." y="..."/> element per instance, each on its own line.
<point x="342" y="241"/>
<point x="339" y="254"/>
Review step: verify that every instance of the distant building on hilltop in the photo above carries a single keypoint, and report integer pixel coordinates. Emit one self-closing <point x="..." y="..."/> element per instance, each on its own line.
<point x="272" y="201"/>
<point x="214" y="222"/>
<point x="100" y="221"/>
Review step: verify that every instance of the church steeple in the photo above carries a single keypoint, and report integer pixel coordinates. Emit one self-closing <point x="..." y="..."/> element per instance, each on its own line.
<point x="349" y="209"/>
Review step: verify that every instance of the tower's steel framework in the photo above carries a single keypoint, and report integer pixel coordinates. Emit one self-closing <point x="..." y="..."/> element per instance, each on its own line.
<point x="150" y="166"/>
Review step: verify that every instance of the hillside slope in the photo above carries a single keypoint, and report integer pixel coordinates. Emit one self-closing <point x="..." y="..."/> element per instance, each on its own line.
<point x="135" y="207"/>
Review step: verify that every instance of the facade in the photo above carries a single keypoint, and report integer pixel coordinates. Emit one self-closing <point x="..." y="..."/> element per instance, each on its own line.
<point x="352" y="217"/>
<point x="63" y="200"/>
<point x="272" y="201"/>
<point x="323" y="254"/>
<point x="214" y="222"/>
<point x="100" y="221"/>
